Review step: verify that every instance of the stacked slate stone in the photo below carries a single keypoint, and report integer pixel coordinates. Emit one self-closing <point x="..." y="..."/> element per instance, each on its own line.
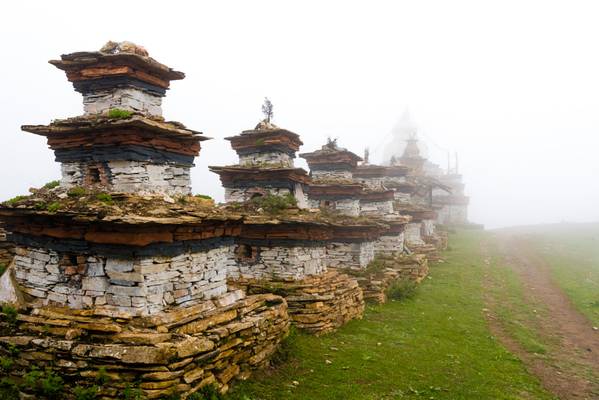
<point x="289" y="256"/>
<point x="333" y="189"/>
<point x="116" y="274"/>
<point x="413" y="197"/>
<point x="266" y="167"/>
<point x="333" y="168"/>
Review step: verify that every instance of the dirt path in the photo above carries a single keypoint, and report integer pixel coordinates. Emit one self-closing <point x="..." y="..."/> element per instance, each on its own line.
<point x="571" y="366"/>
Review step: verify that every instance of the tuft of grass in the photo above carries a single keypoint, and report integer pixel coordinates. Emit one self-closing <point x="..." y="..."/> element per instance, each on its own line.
<point x="209" y="392"/>
<point x="85" y="393"/>
<point x="15" y="200"/>
<point x="6" y="364"/>
<point x="52" y="184"/>
<point x="401" y="289"/>
<point x="76" y="191"/>
<point x="44" y="383"/>
<point x="105" y="198"/>
<point x="53" y="207"/>
<point x="9" y="389"/>
<point x="203" y="196"/>
<point x="117" y="113"/>
<point x="260" y="142"/>
<point x="10" y="313"/>
<point x="273" y="204"/>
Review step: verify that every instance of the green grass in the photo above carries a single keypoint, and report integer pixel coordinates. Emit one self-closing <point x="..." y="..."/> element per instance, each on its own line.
<point x="435" y="345"/>
<point x="572" y="252"/>
<point x="518" y="317"/>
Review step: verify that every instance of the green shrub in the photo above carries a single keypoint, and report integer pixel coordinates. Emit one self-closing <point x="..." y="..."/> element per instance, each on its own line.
<point x="8" y="389"/>
<point x="41" y="205"/>
<point x="85" y="393"/>
<point x="132" y="393"/>
<point x="6" y="364"/>
<point x="401" y="289"/>
<point x="102" y="378"/>
<point x="209" y="392"/>
<point x="203" y="196"/>
<point x="273" y="204"/>
<point x="10" y="313"/>
<point x="53" y="207"/>
<point x="117" y="113"/>
<point x="15" y="200"/>
<point x="52" y="184"/>
<point x="105" y="198"/>
<point x="45" y="383"/>
<point x="286" y="349"/>
<point x="76" y="191"/>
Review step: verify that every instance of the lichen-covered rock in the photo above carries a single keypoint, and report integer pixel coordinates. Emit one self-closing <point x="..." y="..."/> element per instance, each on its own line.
<point x="317" y="304"/>
<point x="173" y="351"/>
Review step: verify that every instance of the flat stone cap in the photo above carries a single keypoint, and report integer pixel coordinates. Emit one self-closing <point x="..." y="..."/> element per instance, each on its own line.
<point x="116" y="59"/>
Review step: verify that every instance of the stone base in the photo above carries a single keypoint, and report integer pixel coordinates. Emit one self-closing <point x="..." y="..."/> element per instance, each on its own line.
<point x="439" y="240"/>
<point x="318" y="304"/>
<point x="429" y="250"/>
<point x="374" y="283"/>
<point x="175" y="351"/>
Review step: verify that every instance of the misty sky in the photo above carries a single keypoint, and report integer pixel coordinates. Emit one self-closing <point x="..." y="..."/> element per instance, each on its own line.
<point x="513" y="86"/>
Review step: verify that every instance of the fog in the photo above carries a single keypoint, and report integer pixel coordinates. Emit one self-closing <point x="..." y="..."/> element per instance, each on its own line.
<point x="512" y="86"/>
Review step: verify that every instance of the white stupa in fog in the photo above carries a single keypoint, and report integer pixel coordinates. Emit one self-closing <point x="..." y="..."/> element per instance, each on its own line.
<point x="404" y="131"/>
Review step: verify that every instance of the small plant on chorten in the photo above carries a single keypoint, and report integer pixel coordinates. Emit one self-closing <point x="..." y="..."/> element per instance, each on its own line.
<point x="117" y="113"/>
<point x="52" y="184"/>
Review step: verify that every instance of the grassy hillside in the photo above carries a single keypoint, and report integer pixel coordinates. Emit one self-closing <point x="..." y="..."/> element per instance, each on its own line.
<point x="572" y="251"/>
<point x="434" y="346"/>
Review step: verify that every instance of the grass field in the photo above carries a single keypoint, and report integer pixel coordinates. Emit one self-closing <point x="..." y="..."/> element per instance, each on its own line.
<point x="572" y="251"/>
<point x="436" y="345"/>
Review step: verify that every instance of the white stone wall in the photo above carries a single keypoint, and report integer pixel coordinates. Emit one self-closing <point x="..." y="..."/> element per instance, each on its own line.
<point x="133" y="177"/>
<point x="413" y="234"/>
<point x="376" y="207"/>
<point x="428" y="227"/>
<point x="263" y="159"/>
<point x="130" y="99"/>
<point x="350" y="255"/>
<point x="373" y="183"/>
<point x="389" y="245"/>
<point x="332" y="175"/>
<point x="281" y="263"/>
<point x="141" y="286"/>
<point x="453" y="214"/>
<point x="403" y="198"/>
<point x="349" y="207"/>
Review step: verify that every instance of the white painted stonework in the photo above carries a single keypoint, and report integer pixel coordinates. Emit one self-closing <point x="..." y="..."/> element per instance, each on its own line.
<point x="332" y="175"/>
<point x="282" y="263"/>
<point x="378" y="208"/>
<point x="141" y="286"/>
<point x="413" y="234"/>
<point x="278" y="159"/>
<point x="349" y="207"/>
<point x="389" y="245"/>
<point x="133" y="177"/>
<point x="129" y="99"/>
<point x="350" y="255"/>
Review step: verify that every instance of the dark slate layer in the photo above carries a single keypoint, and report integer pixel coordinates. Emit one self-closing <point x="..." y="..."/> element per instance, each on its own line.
<point x="126" y="153"/>
<point x="266" y="149"/>
<point x="280" y="242"/>
<point x="109" y="250"/>
<point x="92" y="85"/>
<point x="249" y="184"/>
<point x="331" y="167"/>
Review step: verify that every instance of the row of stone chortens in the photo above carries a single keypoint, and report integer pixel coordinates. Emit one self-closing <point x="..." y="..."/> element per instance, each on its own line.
<point x="119" y="268"/>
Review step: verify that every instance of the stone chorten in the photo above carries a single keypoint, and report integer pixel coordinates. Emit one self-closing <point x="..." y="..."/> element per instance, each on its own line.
<point x="121" y="143"/>
<point x="266" y="155"/>
<point x="116" y="278"/>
